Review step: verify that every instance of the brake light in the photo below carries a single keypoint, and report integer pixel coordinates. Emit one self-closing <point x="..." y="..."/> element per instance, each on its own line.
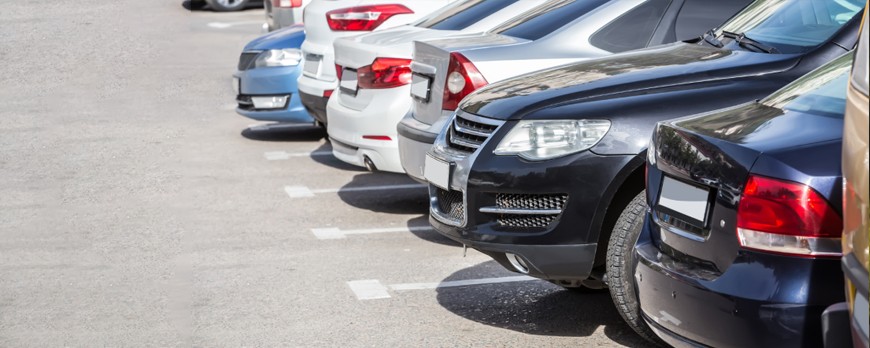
<point x="287" y="3"/>
<point x="385" y="73"/>
<point x="788" y="218"/>
<point x="363" y="18"/>
<point x="338" y="71"/>
<point x="462" y="79"/>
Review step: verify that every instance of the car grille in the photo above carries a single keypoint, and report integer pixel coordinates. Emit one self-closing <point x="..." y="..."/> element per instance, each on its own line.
<point x="527" y="210"/>
<point x="450" y="204"/>
<point x="245" y="102"/>
<point x="246" y="60"/>
<point x="466" y="135"/>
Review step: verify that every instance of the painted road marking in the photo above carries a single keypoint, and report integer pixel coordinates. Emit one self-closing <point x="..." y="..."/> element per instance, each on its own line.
<point x="372" y="289"/>
<point x="283" y="155"/>
<point x="337" y="233"/>
<point x="261" y="127"/>
<point x="303" y="191"/>
<point x="225" y="25"/>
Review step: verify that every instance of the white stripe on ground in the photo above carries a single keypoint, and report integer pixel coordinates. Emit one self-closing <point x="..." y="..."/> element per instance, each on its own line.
<point x="372" y="289"/>
<point x="303" y="191"/>
<point x="336" y="233"/>
<point x="283" y="155"/>
<point x="225" y="25"/>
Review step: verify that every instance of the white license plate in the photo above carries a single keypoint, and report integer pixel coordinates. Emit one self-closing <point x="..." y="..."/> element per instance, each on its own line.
<point x="437" y="172"/>
<point x="348" y="82"/>
<point x="237" y="85"/>
<point x="685" y="199"/>
<point x="312" y="64"/>
<point x="420" y="86"/>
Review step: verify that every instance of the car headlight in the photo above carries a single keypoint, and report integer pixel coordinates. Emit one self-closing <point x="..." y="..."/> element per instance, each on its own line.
<point x="540" y="140"/>
<point x="285" y="57"/>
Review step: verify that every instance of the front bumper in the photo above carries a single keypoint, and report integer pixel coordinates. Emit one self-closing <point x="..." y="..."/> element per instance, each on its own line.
<point x="549" y="212"/>
<point x="761" y="300"/>
<point x="378" y="117"/>
<point x="274" y="81"/>
<point x="415" y="140"/>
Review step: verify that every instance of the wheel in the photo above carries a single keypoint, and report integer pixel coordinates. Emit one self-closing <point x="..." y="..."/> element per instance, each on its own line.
<point x="619" y="276"/>
<point x="227" y="5"/>
<point x="193" y="4"/>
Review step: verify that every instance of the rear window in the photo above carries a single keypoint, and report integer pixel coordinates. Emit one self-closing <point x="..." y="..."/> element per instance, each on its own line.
<point x="546" y="18"/>
<point x="698" y="16"/>
<point x="463" y="14"/>
<point x="633" y="29"/>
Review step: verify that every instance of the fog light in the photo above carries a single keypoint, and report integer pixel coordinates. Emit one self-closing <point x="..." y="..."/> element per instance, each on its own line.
<point x="270" y="102"/>
<point x="518" y="262"/>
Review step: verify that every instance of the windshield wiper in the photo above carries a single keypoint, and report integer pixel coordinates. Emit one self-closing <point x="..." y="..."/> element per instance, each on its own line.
<point x="742" y="40"/>
<point x="710" y="38"/>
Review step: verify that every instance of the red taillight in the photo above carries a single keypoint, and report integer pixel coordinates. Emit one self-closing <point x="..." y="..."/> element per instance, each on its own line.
<point x="328" y="93"/>
<point x="377" y="137"/>
<point x="363" y="18"/>
<point x="287" y="3"/>
<point x="385" y="73"/>
<point x="338" y="71"/>
<point x="462" y="79"/>
<point x="787" y="217"/>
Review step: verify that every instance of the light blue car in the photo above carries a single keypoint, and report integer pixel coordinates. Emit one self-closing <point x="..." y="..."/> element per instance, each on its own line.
<point x="265" y="82"/>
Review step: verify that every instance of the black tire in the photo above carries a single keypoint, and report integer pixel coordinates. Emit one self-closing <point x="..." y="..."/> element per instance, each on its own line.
<point x="619" y="276"/>
<point x="193" y="5"/>
<point x="231" y="5"/>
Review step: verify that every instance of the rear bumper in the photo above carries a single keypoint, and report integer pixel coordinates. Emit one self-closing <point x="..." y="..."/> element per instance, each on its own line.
<point x="415" y="140"/>
<point x="315" y="105"/>
<point x="761" y="300"/>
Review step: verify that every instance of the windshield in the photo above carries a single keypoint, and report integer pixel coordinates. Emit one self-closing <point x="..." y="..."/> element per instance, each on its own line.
<point x="792" y="26"/>
<point x="546" y="18"/>
<point x="821" y="92"/>
<point x="462" y="14"/>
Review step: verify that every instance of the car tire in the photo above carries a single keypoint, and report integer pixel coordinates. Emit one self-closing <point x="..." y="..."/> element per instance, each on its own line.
<point x="227" y="5"/>
<point x="619" y="264"/>
<point x="193" y="5"/>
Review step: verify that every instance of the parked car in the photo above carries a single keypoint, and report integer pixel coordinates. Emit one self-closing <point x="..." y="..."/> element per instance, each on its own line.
<point x="741" y="244"/>
<point x="224" y="5"/>
<point x="561" y="32"/>
<point x="534" y="171"/>
<point x="375" y="76"/>
<point x="839" y="318"/>
<point x="326" y="21"/>
<point x="283" y="13"/>
<point x="265" y="82"/>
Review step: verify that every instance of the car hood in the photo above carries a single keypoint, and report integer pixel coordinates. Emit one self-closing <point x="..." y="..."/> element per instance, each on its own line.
<point x="289" y="37"/>
<point x="673" y="66"/>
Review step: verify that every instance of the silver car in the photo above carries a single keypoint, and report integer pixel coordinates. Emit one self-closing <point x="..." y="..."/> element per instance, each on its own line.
<point x="283" y="13"/>
<point x="559" y="32"/>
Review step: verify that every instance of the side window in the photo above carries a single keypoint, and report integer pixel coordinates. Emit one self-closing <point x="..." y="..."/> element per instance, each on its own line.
<point x="698" y="16"/>
<point x="633" y="29"/>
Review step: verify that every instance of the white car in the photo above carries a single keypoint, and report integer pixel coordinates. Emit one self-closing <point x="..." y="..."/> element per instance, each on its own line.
<point x="374" y="88"/>
<point x="327" y="20"/>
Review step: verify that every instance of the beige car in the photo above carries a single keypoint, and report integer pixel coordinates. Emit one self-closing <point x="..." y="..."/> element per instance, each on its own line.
<point x="856" y="214"/>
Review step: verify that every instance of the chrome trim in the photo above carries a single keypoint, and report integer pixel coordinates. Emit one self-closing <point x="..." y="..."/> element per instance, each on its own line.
<point x="462" y="129"/>
<point x="497" y="210"/>
<point x="675" y="230"/>
<point x="461" y="142"/>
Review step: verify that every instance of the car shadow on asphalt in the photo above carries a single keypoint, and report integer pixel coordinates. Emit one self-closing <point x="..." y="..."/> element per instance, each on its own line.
<point x="408" y="201"/>
<point x="284" y="133"/>
<point x="190" y="6"/>
<point x="429" y="235"/>
<point x="535" y="307"/>
<point x="330" y="161"/>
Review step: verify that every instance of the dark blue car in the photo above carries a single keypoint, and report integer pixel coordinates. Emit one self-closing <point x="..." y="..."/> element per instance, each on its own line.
<point x="265" y="82"/>
<point x="741" y="244"/>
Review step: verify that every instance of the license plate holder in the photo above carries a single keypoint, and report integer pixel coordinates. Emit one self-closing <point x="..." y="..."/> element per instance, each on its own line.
<point x="688" y="202"/>
<point x="421" y="87"/>
<point x="349" y="83"/>
<point x="312" y="64"/>
<point x="438" y="172"/>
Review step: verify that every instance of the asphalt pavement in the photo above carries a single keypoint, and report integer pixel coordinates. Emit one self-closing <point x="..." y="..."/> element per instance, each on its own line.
<point x="137" y="209"/>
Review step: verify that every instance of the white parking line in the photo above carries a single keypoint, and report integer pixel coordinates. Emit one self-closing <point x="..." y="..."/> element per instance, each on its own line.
<point x="372" y="289"/>
<point x="225" y="25"/>
<point x="283" y="155"/>
<point x="336" y="233"/>
<point x="303" y="191"/>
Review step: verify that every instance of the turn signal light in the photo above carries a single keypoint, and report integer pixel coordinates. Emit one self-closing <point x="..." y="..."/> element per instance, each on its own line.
<point x="363" y="18"/>
<point x="787" y="218"/>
